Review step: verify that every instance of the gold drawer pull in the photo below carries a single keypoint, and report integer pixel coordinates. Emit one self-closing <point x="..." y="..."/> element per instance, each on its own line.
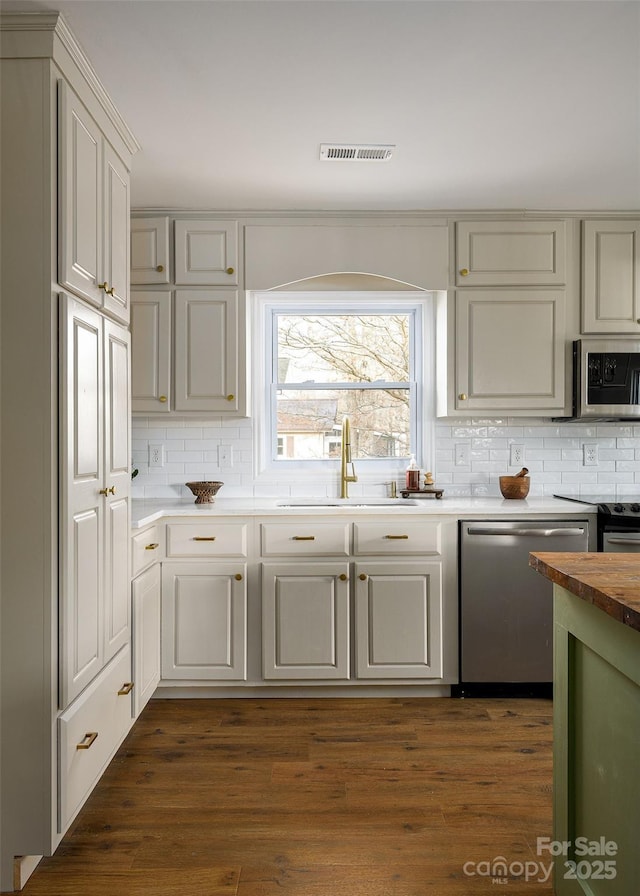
<point x="396" y="537"/>
<point x="304" y="538"/>
<point x="230" y="271"/>
<point x="363" y="577"/>
<point x="238" y="577"/>
<point x="126" y="688"/>
<point x="343" y="577"/>
<point x="151" y="547"/>
<point x="204" y="538"/>
<point x="87" y="740"/>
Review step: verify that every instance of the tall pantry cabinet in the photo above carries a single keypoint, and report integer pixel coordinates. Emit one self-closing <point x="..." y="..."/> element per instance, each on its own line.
<point x="65" y="675"/>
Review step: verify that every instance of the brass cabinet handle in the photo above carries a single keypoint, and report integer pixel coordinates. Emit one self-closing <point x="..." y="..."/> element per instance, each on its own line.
<point x="87" y="740"/>
<point x="230" y="271"/>
<point x="396" y="536"/>
<point x="363" y="576"/>
<point x="238" y="577"/>
<point x="204" y="538"/>
<point x="230" y="397"/>
<point x="111" y="291"/>
<point x="304" y="538"/>
<point x="103" y="491"/>
<point x="464" y="272"/>
<point x="462" y="396"/>
<point x="343" y="577"/>
<point x="104" y="286"/>
<point x="126" y="688"/>
<point x="152" y="546"/>
<point x="112" y="490"/>
<point x="162" y="398"/>
<point x="160" y="268"/>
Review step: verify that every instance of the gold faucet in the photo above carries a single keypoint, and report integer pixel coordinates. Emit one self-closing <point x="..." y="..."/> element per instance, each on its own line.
<point x="345" y="459"/>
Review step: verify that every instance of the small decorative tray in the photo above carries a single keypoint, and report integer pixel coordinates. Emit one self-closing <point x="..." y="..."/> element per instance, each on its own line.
<point x="421" y="492"/>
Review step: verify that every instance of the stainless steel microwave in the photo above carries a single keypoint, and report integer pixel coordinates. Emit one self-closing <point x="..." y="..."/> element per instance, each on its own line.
<point x="606" y="379"/>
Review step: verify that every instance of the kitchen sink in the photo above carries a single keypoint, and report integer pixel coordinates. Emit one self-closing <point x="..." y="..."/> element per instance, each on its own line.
<point x="349" y="502"/>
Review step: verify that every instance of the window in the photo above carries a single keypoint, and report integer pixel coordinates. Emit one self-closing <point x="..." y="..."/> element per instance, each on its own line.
<point x="337" y="355"/>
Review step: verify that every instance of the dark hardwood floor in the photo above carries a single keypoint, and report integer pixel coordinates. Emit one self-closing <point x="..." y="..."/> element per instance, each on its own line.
<point x="316" y="797"/>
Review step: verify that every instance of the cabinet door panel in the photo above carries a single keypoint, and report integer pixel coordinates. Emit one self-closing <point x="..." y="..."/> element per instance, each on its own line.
<point x="80" y="197"/>
<point x="305" y="621"/>
<point x="510" y="253"/>
<point x="116" y="235"/>
<point x="510" y="350"/>
<point x="206" y="351"/>
<point x="146" y="636"/>
<point x="82" y="506"/>
<point x="204" y="621"/>
<point x="611" y="277"/>
<point x="150" y="352"/>
<point x="206" y="253"/>
<point x="399" y="620"/>
<point x="117" y="625"/>
<point x="150" y="250"/>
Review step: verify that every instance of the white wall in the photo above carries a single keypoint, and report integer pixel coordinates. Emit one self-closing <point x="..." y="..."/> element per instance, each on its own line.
<point x="553" y="452"/>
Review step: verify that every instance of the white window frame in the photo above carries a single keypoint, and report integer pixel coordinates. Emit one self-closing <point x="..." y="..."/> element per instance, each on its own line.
<point x="266" y="304"/>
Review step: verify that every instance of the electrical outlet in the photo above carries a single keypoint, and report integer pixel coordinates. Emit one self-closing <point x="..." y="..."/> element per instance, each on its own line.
<point x="225" y="455"/>
<point x="462" y="455"/>
<point x="156" y="455"/>
<point x="516" y="455"/>
<point x="590" y="454"/>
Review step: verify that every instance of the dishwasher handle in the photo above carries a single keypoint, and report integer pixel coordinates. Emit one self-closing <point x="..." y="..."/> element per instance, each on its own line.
<point x="544" y="533"/>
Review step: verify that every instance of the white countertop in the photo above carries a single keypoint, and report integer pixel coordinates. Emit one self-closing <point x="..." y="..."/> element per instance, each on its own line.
<point x="144" y="512"/>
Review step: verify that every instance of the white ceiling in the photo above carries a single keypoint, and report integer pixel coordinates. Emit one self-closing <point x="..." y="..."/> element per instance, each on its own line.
<point x="511" y="105"/>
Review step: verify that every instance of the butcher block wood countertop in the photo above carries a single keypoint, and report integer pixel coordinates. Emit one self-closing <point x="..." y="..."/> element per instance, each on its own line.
<point x="610" y="582"/>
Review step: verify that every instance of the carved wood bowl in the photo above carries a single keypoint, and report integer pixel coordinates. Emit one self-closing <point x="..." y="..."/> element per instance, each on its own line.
<point x="204" y="491"/>
<point x="514" y="486"/>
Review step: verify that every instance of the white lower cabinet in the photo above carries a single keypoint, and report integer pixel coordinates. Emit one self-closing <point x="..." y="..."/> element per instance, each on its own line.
<point x="305" y="620"/>
<point x="89" y="733"/>
<point x="204" y="627"/>
<point x="398" y="619"/>
<point x="146" y="596"/>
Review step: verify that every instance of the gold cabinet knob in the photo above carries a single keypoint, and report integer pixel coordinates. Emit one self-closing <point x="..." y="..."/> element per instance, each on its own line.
<point x="230" y="271"/>
<point x="126" y="688"/>
<point x="151" y="547"/>
<point x="363" y="576"/>
<point x="162" y="399"/>
<point x="104" y="286"/>
<point x="103" y="491"/>
<point x="111" y="490"/>
<point x="160" y="268"/>
<point x="238" y="577"/>
<point x="111" y="291"/>
<point x="343" y="577"/>
<point x="230" y="397"/>
<point x="464" y="272"/>
<point x="462" y="396"/>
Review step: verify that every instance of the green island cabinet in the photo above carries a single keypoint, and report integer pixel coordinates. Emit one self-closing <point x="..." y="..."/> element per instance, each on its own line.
<point x="596" y="754"/>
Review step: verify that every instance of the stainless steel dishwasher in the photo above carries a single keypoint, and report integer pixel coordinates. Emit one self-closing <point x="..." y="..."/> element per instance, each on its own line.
<point x="506" y="612"/>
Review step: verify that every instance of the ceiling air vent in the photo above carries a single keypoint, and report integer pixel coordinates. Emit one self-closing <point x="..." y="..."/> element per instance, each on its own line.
<point x="355" y="152"/>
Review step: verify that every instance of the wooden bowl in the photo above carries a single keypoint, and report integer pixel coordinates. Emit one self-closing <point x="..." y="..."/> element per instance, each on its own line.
<point x="204" y="491"/>
<point x="514" y="486"/>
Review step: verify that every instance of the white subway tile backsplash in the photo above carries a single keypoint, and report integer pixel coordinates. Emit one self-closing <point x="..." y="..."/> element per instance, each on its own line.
<point x="553" y="455"/>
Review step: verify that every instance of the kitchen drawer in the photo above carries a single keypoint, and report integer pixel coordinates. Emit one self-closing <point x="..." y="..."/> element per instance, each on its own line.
<point x="395" y="537"/>
<point x="89" y="733"/>
<point x="305" y="538"/>
<point x="146" y="549"/>
<point x="207" y="539"/>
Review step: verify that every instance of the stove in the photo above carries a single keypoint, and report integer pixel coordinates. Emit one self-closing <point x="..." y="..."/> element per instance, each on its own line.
<point x="618" y="520"/>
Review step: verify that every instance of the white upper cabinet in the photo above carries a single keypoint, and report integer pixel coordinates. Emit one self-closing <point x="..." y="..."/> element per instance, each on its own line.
<point x="94" y="204"/>
<point x="510" y="253"/>
<point x="208" y="363"/>
<point x="611" y="276"/>
<point x="510" y="350"/>
<point x="206" y="253"/>
<point x="151" y="352"/>
<point x="150" y="250"/>
<point x="276" y="254"/>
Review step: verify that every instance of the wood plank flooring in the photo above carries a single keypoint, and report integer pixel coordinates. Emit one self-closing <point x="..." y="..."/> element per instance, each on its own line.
<point x="315" y="797"/>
